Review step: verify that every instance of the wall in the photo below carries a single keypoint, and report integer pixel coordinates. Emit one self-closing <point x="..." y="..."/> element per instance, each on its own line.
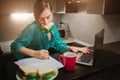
<point x="85" y="26"/>
<point x="11" y="28"/>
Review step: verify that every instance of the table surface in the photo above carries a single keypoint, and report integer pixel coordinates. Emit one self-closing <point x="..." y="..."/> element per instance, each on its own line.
<point x="103" y="60"/>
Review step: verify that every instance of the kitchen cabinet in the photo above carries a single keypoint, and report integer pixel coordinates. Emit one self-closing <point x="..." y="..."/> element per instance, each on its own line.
<point x="56" y="4"/>
<point x="31" y="5"/>
<point x="60" y="6"/>
<point x="72" y="7"/>
<point x="103" y="7"/>
<point x="112" y="7"/>
<point x="66" y="6"/>
<point x="10" y="6"/>
<point x="76" y="6"/>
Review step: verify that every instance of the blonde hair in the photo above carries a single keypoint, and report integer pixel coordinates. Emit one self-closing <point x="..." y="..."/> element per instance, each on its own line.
<point x="41" y="5"/>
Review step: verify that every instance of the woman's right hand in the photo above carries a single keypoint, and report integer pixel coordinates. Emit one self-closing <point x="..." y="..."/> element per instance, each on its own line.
<point x="41" y="54"/>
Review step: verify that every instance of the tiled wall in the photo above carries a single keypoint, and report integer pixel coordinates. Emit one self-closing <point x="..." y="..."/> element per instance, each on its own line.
<point x="85" y="26"/>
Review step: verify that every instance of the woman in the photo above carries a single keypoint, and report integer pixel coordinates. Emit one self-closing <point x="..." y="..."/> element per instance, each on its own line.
<point x="38" y="37"/>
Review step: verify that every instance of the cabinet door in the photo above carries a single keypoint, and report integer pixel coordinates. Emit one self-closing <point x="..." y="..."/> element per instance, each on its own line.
<point x="95" y="6"/>
<point x="103" y="6"/>
<point x="63" y="6"/>
<point x="71" y="7"/>
<point x="10" y="6"/>
<point x="60" y="6"/>
<point x="112" y="7"/>
<point x="31" y="5"/>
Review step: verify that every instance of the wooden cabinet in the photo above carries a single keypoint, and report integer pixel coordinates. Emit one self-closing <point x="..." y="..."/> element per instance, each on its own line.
<point x="72" y="7"/>
<point x="10" y="6"/>
<point x="63" y="6"/>
<point x="103" y="6"/>
<point x="95" y="6"/>
<point x="66" y="6"/>
<point x="60" y="6"/>
<point x="31" y="5"/>
<point x="112" y="7"/>
<point x="76" y="6"/>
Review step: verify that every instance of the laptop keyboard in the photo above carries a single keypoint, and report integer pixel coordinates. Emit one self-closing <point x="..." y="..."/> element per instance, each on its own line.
<point x="86" y="57"/>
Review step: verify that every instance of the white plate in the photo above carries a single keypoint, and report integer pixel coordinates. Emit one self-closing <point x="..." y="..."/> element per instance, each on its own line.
<point x="18" y="78"/>
<point x="54" y="75"/>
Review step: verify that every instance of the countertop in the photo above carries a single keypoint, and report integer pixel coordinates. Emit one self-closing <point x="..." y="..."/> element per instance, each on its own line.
<point x="69" y="40"/>
<point x="113" y="46"/>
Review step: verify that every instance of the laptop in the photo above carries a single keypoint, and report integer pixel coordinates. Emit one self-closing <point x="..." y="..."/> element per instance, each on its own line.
<point x="87" y="59"/>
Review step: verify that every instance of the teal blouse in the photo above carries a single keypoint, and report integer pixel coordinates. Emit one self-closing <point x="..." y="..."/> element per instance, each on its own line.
<point x="34" y="38"/>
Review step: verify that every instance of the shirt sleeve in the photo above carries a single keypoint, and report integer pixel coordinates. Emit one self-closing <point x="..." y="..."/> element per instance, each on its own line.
<point x="59" y="45"/>
<point x="22" y="41"/>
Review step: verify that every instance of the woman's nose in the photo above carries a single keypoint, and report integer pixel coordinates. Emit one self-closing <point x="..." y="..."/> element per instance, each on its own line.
<point x="46" y="21"/>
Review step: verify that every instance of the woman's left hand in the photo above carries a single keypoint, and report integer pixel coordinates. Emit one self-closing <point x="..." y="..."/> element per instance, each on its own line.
<point x="84" y="50"/>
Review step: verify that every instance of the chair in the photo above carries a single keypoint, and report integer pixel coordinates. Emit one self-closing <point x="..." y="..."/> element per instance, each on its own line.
<point x="2" y="66"/>
<point x="1" y="52"/>
<point x="7" y="66"/>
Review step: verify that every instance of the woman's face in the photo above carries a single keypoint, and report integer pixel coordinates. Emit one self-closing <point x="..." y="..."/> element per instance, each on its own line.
<point x="45" y="17"/>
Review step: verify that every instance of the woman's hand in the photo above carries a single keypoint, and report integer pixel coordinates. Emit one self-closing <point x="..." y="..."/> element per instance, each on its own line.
<point x="84" y="50"/>
<point x="41" y="54"/>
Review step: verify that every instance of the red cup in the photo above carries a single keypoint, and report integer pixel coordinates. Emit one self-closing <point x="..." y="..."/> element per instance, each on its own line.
<point x="68" y="59"/>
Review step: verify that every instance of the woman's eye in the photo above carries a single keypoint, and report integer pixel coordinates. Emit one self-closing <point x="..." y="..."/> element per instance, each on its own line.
<point x="48" y="17"/>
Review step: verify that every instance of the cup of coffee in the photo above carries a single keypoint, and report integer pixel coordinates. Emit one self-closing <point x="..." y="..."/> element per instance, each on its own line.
<point x="68" y="59"/>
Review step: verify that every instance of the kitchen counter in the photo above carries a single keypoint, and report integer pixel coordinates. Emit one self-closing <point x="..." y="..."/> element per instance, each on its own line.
<point x="69" y="40"/>
<point x="114" y="47"/>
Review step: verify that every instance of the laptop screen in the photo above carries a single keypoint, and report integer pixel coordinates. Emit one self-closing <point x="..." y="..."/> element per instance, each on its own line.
<point x="99" y="38"/>
<point x="98" y="45"/>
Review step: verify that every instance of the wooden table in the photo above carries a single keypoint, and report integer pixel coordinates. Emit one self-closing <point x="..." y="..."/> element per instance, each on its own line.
<point x="104" y="60"/>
